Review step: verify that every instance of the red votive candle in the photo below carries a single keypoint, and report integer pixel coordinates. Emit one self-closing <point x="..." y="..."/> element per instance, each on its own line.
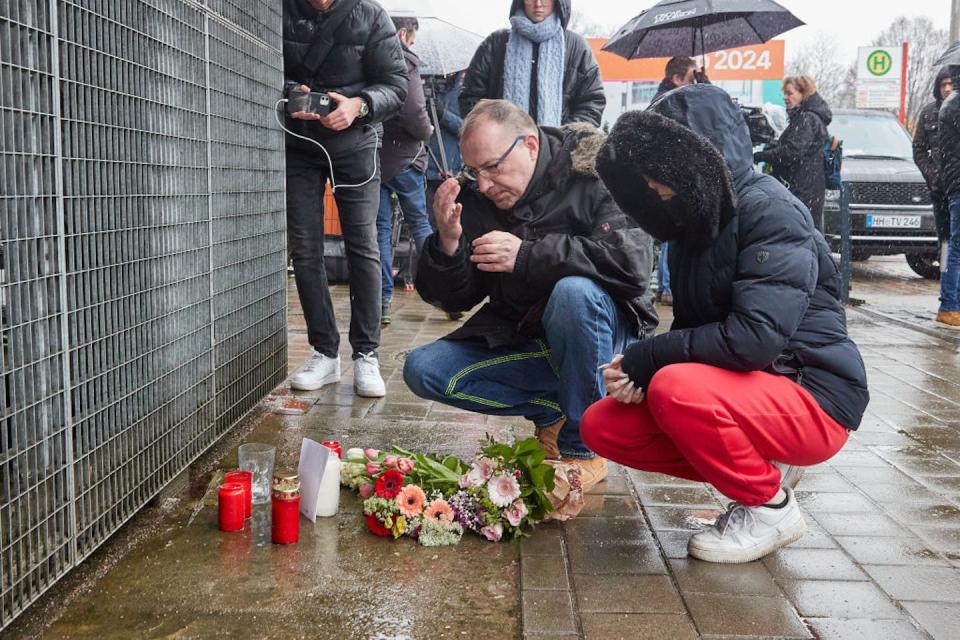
<point x="231" y="498"/>
<point x="285" y="509"/>
<point x="245" y="479"/>
<point x="334" y="446"/>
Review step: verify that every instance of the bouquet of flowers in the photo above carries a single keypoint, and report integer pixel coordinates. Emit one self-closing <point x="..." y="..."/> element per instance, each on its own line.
<point x="504" y="491"/>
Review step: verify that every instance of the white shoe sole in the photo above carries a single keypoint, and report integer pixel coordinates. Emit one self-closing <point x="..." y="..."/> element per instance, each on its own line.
<point x="368" y="393"/>
<point x="330" y="379"/>
<point x="740" y="556"/>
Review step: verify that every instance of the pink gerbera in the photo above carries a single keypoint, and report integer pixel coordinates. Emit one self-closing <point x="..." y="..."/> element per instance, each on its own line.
<point x="440" y="511"/>
<point x="411" y="500"/>
<point x="503" y="490"/>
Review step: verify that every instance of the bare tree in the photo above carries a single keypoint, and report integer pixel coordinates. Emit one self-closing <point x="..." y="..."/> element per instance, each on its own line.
<point x="820" y="60"/>
<point x="588" y="27"/>
<point x="926" y="43"/>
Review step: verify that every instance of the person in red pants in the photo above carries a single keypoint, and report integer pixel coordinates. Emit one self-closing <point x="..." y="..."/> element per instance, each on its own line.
<point x="757" y="374"/>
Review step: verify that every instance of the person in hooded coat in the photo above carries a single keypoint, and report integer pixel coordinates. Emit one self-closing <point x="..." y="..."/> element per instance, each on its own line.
<point x="926" y="152"/>
<point x="949" y="119"/>
<point x="539" y="65"/>
<point x="757" y="368"/>
<point x="797" y="157"/>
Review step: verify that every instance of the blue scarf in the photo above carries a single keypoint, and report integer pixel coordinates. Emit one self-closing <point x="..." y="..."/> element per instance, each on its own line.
<point x="519" y="62"/>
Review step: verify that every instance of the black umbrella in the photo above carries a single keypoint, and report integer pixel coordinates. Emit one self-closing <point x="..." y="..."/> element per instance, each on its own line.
<point x="682" y="27"/>
<point x="950" y="57"/>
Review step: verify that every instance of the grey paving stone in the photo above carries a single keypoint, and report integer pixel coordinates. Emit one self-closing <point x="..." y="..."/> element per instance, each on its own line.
<point x="893" y="551"/>
<point x="902" y="493"/>
<point x="547" y="540"/>
<point x="627" y="594"/>
<point x="834" y="629"/>
<point x="614" y="486"/>
<point x="940" y="620"/>
<point x="617" y="559"/>
<point x="613" y="626"/>
<point x="606" y="506"/>
<point x="941" y="515"/>
<point x="946" y="540"/>
<point x="688" y="518"/>
<point x="544" y="573"/>
<point x="814" y="540"/>
<point x="695" y="576"/>
<point x="839" y="599"/>
<point x="741" y="615"/>
<point x="673" y="543"/>
<point x="861" y="524"/>
<point x="548" y="612"/>
<point x="812" y="564"/>
<point x="926" y="584"/>
<point x="602" y="531"/>
<point x="670" y="496"/>
<point x="816" y="502"/>
<point x="830" y="482"/>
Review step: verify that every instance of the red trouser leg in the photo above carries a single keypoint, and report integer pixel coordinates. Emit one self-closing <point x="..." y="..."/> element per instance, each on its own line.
<point x="714" y="425"/>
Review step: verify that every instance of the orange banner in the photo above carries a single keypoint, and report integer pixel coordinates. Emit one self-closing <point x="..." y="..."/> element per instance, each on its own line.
<point x="754" y="62"/>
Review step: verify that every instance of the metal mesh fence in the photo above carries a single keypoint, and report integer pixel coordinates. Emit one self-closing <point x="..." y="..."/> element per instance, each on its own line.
<point x="143" y="260"/>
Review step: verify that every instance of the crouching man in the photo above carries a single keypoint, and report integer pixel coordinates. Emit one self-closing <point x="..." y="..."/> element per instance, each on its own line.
<point x="757" y="375"/>
<point x="565" y="271"/>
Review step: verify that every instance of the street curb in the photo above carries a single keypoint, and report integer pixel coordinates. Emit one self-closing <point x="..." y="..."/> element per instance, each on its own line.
<point x="953" y="338"/>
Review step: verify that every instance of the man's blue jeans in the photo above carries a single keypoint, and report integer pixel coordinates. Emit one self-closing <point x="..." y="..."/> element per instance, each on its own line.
<point x="950" y="279"/>
<point x="543" y="380"/>
<point x="663" y="271"/>
<point x="410" y="188"/>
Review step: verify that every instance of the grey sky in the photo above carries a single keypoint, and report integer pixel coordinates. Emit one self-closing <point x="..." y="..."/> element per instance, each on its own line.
<point x="852" y="22"/>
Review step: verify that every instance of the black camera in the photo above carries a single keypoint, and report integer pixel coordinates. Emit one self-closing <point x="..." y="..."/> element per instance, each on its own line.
<point x="313" y="102"/>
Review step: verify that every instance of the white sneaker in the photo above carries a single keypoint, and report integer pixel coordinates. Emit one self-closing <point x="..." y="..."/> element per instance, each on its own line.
<point x="790" y="474"/>
<point x="367" y="381"/>
<point x="320" y="370"/>
<point x="744" y="534"/>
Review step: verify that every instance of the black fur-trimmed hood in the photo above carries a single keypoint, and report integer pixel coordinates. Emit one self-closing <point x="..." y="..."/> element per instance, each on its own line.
<point x="648" y="145"/>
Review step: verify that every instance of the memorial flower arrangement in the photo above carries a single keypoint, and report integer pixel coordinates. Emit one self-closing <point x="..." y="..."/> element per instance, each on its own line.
<point x="502" y="493"/>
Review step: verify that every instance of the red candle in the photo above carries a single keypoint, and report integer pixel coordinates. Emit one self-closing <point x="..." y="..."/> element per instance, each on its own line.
<point x="244" y="478"/>
<point x="231" y="498"/>
<point x="285" y="509"/>
<point x="334" y="446"/>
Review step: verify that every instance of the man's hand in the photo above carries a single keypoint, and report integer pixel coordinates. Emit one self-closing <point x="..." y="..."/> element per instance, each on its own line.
<point x="496" y="251"/>
<point x="305" y="115"/>
<point x="618" y="383"/>
<point x="446" y="212"/>
<point x="343" y="116"/>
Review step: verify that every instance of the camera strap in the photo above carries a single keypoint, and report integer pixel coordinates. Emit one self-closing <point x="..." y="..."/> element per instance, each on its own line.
<point x="323" y="42"/>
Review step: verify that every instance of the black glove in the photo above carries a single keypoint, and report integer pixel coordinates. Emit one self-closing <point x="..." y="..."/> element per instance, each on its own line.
<point x="756" y="157"/>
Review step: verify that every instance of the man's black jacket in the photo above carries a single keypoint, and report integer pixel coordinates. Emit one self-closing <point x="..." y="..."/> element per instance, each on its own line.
<point x="365" y="59"/>
<point x="405" y="135"/>
<point x="569" y="226"/>
<point x="950" y="137"/>
<point x="583" y="95"/>
<point x="926" y="137"/>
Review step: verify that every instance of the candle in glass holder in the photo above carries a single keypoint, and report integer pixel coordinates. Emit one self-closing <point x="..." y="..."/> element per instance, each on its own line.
<point x="245" y="479"/>
<point x="334" y="446"/>
<point x="285" y="508"/>
<point x="231" y="498"/>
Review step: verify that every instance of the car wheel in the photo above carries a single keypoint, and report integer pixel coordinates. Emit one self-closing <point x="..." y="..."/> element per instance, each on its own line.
<point x="924" y="265"/>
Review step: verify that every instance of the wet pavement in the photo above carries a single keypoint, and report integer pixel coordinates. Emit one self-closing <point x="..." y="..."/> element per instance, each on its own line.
<point x="881" y="560"/>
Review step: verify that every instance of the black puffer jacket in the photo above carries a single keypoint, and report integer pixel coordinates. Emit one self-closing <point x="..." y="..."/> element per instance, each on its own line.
<point x="583" y="96"/>
<point x="569" y="226"/>
<point x="926" y="137"/>
<point x="797" y="157"/>
<point x="365" y="59"/>
<point x="950" y="137"/>
<point x="406" y="134"/>
<point x="754" y="285"/>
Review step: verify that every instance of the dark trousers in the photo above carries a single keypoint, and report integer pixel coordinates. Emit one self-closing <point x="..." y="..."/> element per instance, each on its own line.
<point x="941" y="215"/>
<point x="353" y="154"/>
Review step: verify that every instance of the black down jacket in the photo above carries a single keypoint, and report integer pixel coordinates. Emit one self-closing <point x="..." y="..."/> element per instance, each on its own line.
<point x="365" y="59"/>
<point x="583" y="96"/>
<point x="569" y="226"/>
<point x="797" y="157"/>
<point x="405" y="135"/>
<point x="926" y="137"/>
<point x="754" y="285"/>
<point x="950" y="137"/>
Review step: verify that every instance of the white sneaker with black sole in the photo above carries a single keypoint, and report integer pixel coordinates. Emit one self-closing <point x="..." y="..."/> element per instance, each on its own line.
<point x="745" y="534"/>
<point x="790" y="474"/>
<point x="319" y="371"/>
<point x="367" y="381"/>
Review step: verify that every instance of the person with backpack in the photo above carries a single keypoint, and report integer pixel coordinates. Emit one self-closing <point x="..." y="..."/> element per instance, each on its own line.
<point x="797" y="158"/>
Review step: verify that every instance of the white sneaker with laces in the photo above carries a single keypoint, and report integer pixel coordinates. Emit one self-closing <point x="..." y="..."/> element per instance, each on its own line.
<point x="790" y="474"/>
<point x="744" y="534"/>
<point x="318" y="371"/>
<point x="367" y="381"/>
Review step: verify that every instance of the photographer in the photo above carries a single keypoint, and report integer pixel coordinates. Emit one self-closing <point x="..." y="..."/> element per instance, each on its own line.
<point x="348" y="50"/>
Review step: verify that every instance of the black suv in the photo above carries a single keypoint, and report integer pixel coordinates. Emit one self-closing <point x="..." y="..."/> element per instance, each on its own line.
<point x="890" y="206"/>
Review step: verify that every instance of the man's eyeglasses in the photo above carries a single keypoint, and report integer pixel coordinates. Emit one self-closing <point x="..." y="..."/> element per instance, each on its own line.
<point x="490" y="170"/>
